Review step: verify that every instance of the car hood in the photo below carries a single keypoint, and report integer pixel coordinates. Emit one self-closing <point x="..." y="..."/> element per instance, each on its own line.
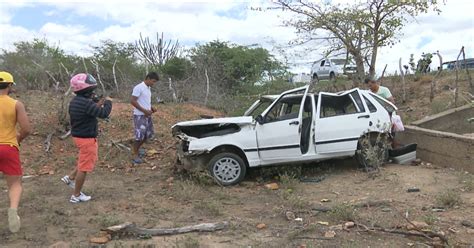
<point x="210" y="127"/>
<point x="226" y="120"/>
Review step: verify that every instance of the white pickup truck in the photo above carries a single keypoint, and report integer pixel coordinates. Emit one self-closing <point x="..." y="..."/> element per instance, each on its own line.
<point x="332" y="68"/>
<point x="294" y="127"/>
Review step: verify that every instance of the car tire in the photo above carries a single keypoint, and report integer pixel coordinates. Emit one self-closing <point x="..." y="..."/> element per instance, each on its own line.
<point x="314" y="79"/>
<point x="368" y="147"/>
<point x="227" y="168"/>
<point x="332" y="77"/>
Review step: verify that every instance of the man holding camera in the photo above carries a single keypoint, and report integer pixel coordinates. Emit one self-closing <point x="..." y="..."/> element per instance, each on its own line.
<point x="84" y="111"/>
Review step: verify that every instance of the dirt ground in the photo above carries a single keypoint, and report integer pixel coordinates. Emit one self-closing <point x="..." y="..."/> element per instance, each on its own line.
<point x="154" y="195"/>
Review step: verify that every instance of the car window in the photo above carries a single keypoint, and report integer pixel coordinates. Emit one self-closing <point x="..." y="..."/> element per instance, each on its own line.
<point x="339" y="61"/>
<point x="337" y="105"/>
<point x="322" y="63"/>
<point x="283" y="111"/>
<point x="356" y="98"/>
<point x="286" y="108"/>
<point x="384" y="104"/>
<point x="370" y="105"/>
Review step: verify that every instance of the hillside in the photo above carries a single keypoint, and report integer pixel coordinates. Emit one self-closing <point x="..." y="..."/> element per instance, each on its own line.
<point x="155" y="195"/>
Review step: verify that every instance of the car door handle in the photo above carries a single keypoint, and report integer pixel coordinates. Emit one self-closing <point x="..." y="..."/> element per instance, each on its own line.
<point x="363" y="116"/>
<point x="294" y="123"/>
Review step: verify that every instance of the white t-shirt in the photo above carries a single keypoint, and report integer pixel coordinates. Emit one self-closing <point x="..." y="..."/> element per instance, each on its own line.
<point x="143" y="93"/>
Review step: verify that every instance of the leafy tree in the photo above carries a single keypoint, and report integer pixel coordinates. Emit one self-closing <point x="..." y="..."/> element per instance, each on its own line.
<point x="177" y="68"/>
<point x="423" y="65"/>
<point x="359" y="28"/>
<point x="238" y="65"/>
<point x="38" y="65"/>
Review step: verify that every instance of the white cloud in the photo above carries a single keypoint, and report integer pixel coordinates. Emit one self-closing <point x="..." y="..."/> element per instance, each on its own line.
<point x="10" y="34"/>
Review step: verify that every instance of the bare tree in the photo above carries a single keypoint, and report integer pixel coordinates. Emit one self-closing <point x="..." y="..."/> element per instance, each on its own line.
<point x="456" y="67"/>
<point x="114" y="75"/>
<point x="207" y="87"/>
<point x="433" y="85"/>
<point x="96" y="64"/>
<point x="471" y="86"/>
<point x="402" y="74"/>
<point x="157" y="54"/>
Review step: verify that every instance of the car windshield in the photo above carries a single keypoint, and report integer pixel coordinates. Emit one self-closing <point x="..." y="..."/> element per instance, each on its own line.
<point x="258" y="107"/>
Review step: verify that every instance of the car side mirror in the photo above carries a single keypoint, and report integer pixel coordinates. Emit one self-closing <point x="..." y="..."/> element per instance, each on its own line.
<point x="259" y="119"/>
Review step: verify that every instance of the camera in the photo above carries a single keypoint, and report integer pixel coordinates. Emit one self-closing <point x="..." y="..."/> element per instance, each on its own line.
<point x="95" y="98"/>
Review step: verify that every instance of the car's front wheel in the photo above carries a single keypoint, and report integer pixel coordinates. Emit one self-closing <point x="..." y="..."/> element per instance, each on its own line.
<point x="227" y="168"/>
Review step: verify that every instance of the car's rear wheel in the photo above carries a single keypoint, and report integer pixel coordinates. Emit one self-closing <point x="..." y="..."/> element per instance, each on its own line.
<point x="372" y="150"/>
<point x="332" y="77"/>
<point x="314" y="79"/>
<point x="227" y="168"/>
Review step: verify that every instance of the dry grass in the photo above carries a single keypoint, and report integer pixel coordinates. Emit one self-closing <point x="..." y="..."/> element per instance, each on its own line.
<point x="467" y="182"/>
<point x="187" y="190"/>
<point x="289" y="180"/>
<point x="449" y="198"/>
<point x="293" y="200"/>
<point x="207" y="207"/>
<point x="187" y="242"/>
<point x="425" y="79"/>
<point x="343" y="212"/>
<point x="430" y="219"/>
<point x="106" y="220"/>
<point x="310" y="229"/>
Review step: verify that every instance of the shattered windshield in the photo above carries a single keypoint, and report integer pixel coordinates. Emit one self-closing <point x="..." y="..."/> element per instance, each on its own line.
<point x="259" y="108"/>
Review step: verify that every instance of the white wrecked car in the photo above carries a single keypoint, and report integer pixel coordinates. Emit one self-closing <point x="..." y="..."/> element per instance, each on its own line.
<point x="294" y="127"/>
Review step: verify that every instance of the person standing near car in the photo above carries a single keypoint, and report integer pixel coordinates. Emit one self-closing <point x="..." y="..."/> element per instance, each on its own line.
<point x="385" y="93"/>
<point x="142" y="111"/>
<point x="11" y="113"/>
<point x="381" y="91"/>
<point x="83" y="112"/>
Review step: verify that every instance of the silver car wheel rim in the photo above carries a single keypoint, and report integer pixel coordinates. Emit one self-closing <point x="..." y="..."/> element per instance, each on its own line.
<point x="226" y="170"/>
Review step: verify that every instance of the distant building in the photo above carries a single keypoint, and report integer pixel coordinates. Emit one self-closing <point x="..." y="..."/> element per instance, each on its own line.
<point x="451" y="65"/>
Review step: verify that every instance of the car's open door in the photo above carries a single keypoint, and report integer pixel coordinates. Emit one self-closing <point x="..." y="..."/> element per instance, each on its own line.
<point x="280" y="126"/>
<point x="341" y="119"/>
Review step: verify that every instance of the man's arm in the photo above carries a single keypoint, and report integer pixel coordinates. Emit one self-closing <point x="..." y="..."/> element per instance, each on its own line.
<point x="100" y="112"/>
<point x="391" y="99"/>
<point x="135" y="104"/>
<point x="389" y="96"/>
<point x="23" y="121"/>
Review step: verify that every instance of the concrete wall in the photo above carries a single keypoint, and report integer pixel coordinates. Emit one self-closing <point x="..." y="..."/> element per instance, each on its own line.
<point x="441" y="148"/>
<point x="452" y="121"/>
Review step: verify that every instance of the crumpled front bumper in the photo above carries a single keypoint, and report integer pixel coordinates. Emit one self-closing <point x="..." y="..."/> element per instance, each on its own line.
<point x="189" y="160"/>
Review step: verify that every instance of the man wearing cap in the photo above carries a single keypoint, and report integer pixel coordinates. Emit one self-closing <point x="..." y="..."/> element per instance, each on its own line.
<point x="11" y="113"/>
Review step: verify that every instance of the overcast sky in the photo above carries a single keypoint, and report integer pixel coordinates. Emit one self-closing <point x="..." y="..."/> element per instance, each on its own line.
<point x="76" y="25"/>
